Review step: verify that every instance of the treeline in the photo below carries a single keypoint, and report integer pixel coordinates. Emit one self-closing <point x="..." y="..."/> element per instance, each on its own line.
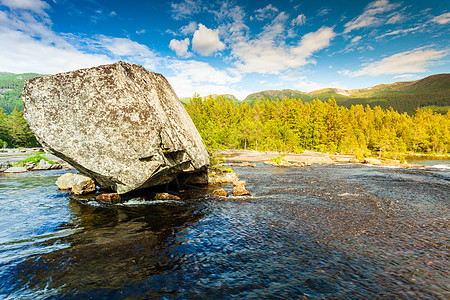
<point x="11" y="89"/>
<point x="289" y="125"/>
<point x="14" y="130"/>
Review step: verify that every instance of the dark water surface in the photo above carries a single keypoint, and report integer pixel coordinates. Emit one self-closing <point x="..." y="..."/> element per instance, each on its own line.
<point x="341" y="232"/>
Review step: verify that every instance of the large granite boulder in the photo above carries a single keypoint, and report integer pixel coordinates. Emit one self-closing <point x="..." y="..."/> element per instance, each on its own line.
<point x="119" y="124"/>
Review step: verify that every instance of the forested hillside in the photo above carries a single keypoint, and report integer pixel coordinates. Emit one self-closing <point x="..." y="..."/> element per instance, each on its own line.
<point x="291" y="125"/>
<point x="431" y="92"/>
<point x="11" y="88"/>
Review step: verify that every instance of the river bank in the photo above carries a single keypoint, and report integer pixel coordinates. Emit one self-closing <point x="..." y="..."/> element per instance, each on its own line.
<point x="307" y="158"/>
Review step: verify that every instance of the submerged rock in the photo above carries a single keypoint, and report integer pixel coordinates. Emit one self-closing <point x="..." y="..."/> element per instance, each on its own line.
<point x="219" y="193"/>
<point x="166" y="196"/>
<point x="108" y="198"/>
<point x="119" y="124"/>
<point x="240" y="190"/>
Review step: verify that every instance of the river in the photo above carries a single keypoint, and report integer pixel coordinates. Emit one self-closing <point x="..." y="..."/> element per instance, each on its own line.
<point x="333" y="231"/>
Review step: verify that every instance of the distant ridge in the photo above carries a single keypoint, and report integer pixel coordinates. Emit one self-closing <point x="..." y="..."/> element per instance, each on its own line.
<point x="405" y="96"/>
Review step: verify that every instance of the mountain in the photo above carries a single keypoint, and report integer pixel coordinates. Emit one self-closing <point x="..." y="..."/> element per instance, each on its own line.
<point x="432" y="92"/>
<point x="11" y="89"/>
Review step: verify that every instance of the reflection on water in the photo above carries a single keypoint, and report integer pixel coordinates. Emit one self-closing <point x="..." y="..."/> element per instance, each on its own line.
<point x="319" y="231"/>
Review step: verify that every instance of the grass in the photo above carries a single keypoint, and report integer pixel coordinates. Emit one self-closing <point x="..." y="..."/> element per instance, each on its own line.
<point x="35" y="158"/>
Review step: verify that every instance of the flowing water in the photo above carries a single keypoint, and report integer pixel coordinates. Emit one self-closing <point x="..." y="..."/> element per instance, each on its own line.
<point x="338" y="231"/>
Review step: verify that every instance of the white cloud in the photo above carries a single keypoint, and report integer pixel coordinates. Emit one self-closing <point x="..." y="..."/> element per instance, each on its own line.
<point x="442" y="19"/>
<point x="399" y="32"/>
<point x="185" y="8"/>
<point x="36" y="6"/>
<point x="142" y="31"/>
<point x="266" y="12"/>
<point x="414" y="61"/>
<point x="199" y="77"/>
<point x="34" y="47"/>
<point x="396" y="18"/>
<point x="373" y="15"/>
<point x="180" y="47"/>
<point x="300" y="20"/>
<point x="262" y="56"/>
<point x="406" y="76"/>
<point x="323" y="12"/>
<point x="190" y="28"/>
<point x="26" y="54"/>
<point x="206" y="41"/>
<point x="356" y="39"/>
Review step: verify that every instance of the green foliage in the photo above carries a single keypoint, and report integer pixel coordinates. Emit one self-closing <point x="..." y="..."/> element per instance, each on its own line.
<point x="278" y="160"/>
<point x="289" y="125"/>
<point x="11" y="89"/>
<point x="34" y="158"/>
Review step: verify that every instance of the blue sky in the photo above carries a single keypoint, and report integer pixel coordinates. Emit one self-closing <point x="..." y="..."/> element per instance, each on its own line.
<point x="230" y="46"/>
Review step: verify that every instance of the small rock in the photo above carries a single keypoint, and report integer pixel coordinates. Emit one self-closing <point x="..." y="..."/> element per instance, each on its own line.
<point x="219" y="193"/>
<point x="240" y="191"/>
<point x="166" y="196"/>
<point x="299" y="165"/>
<point x="239" y="183"/>
<point x="30" y="165"/>
<point x="372" y="161"/>
<point x="247" y="164"/>
<point x="64" y="181"/>
<point x="82" y="184"/>
<point x="5" y="165"/>
<point x="354" y="161"/>
<point x="16" y="170"/>
<point x="223" y="178"/>
<point x="108" y="198"/>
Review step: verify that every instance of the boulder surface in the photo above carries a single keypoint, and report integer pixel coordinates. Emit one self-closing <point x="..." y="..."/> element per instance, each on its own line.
<point x="119" y="124"/>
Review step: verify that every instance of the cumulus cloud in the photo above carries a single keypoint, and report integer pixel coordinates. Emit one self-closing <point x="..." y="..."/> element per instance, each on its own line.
<point x="180" y="47"/>
<point x="262" y="56"/>
<point x="442" y="19"/>
<point x="374" y="14"/>
<point x="206" y="41"/>
<point x="300" y="20"/>
<point x="414" y="61"/>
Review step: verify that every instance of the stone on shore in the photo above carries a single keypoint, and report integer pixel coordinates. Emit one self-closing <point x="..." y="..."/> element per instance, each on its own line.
<point x="119" y="124"/>
<point x="16" y="170"/>
<point x="220" y="178"/>
<point x="372" y="161"/>
<point x="77" y="183"/>
<point x="82" y="184"/>
<point x="5" y="166"/>
<point x="64" y="181"/>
